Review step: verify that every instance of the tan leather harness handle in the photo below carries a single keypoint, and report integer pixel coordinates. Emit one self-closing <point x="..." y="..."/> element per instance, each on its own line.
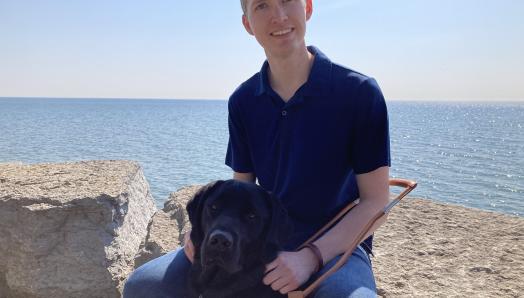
<point x="408" y="186"/>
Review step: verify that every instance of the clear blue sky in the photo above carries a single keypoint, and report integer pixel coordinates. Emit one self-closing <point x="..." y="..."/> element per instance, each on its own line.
<point x="447" y="49"/>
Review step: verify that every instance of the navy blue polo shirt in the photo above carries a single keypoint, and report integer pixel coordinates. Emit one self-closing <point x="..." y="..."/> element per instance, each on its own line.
<point x="307" y="151"/>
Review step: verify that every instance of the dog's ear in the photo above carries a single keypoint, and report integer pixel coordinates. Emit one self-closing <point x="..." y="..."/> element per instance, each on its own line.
<point x="279" y="230"/>
<point x="194" y="211"/>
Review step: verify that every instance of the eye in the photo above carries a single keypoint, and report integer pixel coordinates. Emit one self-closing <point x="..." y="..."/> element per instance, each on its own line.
<point x="251" y="216"/>
<point x="213" y="207"/>
<point x="261" y="6"/>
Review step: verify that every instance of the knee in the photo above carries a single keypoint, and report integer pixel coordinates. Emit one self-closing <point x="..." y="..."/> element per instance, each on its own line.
<point x="356" y="285"/>
<point x="162" y="277"/>
<point x="144" y="281"/>
<point x="344" y="291"/>
<point x="135" y="285"/>
<point x="355" y="279"/>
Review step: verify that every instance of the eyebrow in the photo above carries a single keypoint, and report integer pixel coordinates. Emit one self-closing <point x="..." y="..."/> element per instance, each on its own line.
<point x="258" y="1"/>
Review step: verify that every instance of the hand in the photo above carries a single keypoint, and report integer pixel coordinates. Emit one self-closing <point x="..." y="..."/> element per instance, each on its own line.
<point x="189" y="248"/>
<point x="290" y="270"/>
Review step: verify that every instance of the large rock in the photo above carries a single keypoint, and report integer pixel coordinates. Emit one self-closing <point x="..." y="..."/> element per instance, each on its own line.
<point x="168" y="226"/>
<point x="71" y="229"/>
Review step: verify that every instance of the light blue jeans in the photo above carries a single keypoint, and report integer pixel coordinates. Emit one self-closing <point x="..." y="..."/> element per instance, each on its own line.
<point x="166" y="276"/>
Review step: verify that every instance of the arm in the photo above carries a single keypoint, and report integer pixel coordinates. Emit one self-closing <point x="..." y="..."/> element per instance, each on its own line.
<point x="292" y="269"/>
<point x="369" y="148"/>
<point x="246" y="177"/>
<point x="374" y="196"/>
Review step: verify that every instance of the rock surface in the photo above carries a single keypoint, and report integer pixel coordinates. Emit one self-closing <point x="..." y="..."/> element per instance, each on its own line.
<point x="168" y="227"/>
<point x="71" y="229"/>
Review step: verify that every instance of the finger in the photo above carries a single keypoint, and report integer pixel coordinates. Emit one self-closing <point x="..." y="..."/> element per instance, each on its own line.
<point x="189" y="256"/>
<point x="287" y="288"/>
<point x="189" y="250"/>
<point x="190" y="245"/>
<point x="189" y="253"/>
<point x="271" y="266"/>
<point x="271" y="277"/>
<point x="279" y="283"/>
<point x="187" y="238"/>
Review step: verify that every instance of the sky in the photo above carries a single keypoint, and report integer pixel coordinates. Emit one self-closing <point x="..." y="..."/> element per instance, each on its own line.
<point x="159" y="49"/>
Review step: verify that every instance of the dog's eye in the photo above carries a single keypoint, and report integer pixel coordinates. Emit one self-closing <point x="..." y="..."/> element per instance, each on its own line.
<point x="214" y="207"/>
<point x="251" y="215"/>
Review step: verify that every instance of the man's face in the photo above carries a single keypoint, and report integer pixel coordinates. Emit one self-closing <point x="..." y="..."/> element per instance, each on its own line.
<point x="278" y="25"/>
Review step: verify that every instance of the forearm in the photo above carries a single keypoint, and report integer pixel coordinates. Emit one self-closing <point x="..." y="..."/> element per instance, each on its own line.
<point x="374" y="196"/>
<point x="246" y="177"/>
<point x="338" y="239"/>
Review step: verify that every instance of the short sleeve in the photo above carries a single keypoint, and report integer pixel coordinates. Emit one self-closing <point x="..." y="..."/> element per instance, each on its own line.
<point x="238" y="155"/>
<point x="371" y="147"/>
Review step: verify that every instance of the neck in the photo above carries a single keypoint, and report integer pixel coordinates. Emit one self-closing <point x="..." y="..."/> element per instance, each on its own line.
<point x="287" y="73"/>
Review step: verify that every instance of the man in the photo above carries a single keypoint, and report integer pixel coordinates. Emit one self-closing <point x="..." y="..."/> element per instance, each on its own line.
<point x="313" y="133"/>
<point x="316" y="135"/>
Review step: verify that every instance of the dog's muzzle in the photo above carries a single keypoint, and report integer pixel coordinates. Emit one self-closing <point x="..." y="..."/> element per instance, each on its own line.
<point x="220" y="241"/>
<point x="220" y="250"/>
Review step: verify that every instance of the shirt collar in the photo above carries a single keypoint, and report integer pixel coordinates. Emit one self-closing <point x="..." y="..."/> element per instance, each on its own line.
<point x="263" y="84"/>
<point x="318" y="80"/>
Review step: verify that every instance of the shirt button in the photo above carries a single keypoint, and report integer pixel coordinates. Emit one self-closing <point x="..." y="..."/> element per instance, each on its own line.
<point x="284" y="113"/>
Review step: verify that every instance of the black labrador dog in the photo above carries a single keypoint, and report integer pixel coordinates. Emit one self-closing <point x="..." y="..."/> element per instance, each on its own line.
<point x="237" y="228"/>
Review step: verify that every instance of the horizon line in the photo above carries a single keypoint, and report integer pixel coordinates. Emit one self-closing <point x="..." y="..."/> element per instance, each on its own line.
<point x="501" y="100"/>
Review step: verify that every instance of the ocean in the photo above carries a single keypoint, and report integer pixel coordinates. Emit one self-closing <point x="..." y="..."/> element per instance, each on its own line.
<point x="464" y="153"/>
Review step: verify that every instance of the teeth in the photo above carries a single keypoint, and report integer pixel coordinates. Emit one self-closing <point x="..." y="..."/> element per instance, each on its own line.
<point x="282" y="32"/>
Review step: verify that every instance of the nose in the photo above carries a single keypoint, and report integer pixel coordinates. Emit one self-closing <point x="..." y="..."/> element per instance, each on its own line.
<point x="220" y="240"/>
<point x="279" y="13"/>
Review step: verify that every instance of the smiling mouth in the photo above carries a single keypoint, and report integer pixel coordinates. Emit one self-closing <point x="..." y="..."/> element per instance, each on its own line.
<point x="282" y="32"/>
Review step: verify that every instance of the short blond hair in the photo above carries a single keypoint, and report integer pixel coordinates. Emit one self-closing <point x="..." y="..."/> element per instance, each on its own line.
<point x="244" y="8"/>
<point x="243" y="3"/>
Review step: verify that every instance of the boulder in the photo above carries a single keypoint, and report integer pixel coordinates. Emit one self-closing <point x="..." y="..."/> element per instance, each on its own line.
<point x="168" y="226"/>
<point x="71" y="229"/>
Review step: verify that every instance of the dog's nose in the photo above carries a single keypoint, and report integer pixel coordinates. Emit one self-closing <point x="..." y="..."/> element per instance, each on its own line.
<point x="220" y="240"/>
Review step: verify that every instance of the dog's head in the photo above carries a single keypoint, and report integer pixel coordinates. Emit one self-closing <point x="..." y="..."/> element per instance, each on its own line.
<point x="236" y="225"/>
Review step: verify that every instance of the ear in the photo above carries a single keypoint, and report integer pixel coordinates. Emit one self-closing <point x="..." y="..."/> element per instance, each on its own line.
<point x="245" y="22"/>
<point x="194" y="210"/>
<point x="309" y="9"/>
<point x="279" y="230"/>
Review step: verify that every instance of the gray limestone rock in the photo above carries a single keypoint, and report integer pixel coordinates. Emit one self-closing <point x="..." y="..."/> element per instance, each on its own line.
<point x="71" y="229"/>
<point x="168" y="226"/>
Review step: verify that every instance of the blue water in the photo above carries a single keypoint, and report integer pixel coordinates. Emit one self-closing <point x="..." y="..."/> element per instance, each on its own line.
<point x="465" y="153"/>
